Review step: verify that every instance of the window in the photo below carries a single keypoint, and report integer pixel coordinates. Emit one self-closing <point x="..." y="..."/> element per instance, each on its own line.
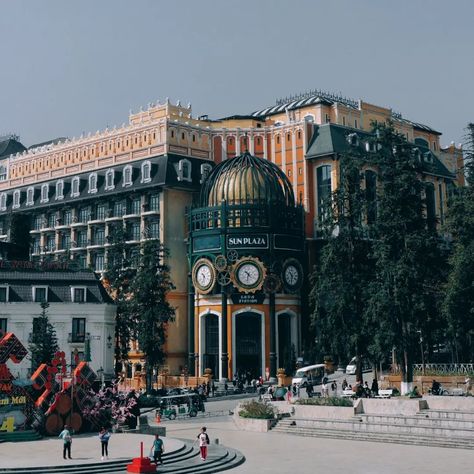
<point x="146" y="172"/>
<point x="355" y="123"/>
<point x="30" y="196"/>
<point x="84" y="215"/>
<point x="81" y="262"/>
<point x="40" y="294"/>
<point x="118" y="209"/>
<point x="205" y="171"/>
<point x="135" y="206"/>
<point x="421" y="141"/>
<point x="309" y="118"/>
<point x="101" y="211"/>
<point x="3" y="325"/>
<point x="38" y="222"/>
<point x="52" y="220"/>
<point x="81" y="239"/>
<point x="3" y="173"/>
<point x="3" y="202"/>
<point x="353" y="139"/>
<point x="99" y="237"/>
<point x="371" y="195"/>
<point x="155" y="202"/>
<point x="78" y="295"/>
<point x="50" y="243"/>
<point x="184" y="170"/>
<point x="323" y="177"/>
<point x="343" y="120"/>
<point x="99" y="263"/>
<point x="135" y="231"/>
<point x="127" y="176"/>
<point x="76" y="357"/>
<point x="35" y="246"/>
<point x="92" y="183"/>
<point x="327" y="119"/>
<point x="59" y="190"/>
<point x="67" y="217"/>
<point x="66" y="241"/>
<point x="44" y="193"/>
<point x="154" y="230"/>
<point x="16" y="199"/>
<point x="4" y="294"/>
<point x="78" y="330"/>
<point x="109" y="180"/>
<point x="75" y="187"/>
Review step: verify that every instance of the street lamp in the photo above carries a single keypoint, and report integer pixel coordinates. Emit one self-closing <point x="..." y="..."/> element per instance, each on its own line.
<point x="422" y="352"/>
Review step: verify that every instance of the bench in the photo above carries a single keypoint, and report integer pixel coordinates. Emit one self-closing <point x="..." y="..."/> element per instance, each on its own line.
<point x="348" y="393"/>
<point x="384" y="393"/>
<point x="266" y="397"/>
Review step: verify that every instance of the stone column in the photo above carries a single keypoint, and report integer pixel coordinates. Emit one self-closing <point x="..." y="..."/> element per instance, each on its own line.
<point x="273" y="361"/>
<point x="191" y="349"/>
<point x="225" y="355"/>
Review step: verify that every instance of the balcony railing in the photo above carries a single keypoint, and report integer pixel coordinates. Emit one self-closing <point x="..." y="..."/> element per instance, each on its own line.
<point x="76" y="337"/>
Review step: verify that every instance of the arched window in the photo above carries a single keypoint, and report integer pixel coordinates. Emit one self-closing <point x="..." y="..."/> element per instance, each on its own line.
<point x="184" y="170"/>
<point x="59" y="190"/>
<point x="16" y="199"/>
<point x="75" y="187"/>
<point x="127" y="176"/>
<point x="92" y="183"/>
<point x="146" y="172"/>
<point x="323" y="186"/>
<point x="371" y="195"/>
<point x="30" y="196"/>
<point x="205" y="171"/>
<point x="44" y="193"/>
<point x="309" y="118"/>
<point x="109" y="180"/>
<point x="3" y="202"/>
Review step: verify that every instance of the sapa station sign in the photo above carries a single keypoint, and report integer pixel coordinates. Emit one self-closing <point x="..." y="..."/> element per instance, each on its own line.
<point x="242" y="241"/>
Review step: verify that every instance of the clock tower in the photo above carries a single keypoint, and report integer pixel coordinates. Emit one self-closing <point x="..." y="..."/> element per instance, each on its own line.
<point x="245" y="251"/>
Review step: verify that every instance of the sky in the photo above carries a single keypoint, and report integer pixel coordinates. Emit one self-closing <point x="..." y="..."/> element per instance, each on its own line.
<point x="68" y="67"/>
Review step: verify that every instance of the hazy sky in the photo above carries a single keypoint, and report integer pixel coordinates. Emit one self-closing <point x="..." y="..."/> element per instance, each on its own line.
<point x="73" y="66"/>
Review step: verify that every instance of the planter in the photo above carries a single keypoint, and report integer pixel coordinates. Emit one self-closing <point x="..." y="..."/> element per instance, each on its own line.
<point x="252" y="424"/>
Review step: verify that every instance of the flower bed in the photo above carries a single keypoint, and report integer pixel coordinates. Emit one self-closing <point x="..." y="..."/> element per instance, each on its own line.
<point x="328" y="402"/>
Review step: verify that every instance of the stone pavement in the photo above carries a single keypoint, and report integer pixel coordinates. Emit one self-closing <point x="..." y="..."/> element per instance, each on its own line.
<point x="279" y="453"/>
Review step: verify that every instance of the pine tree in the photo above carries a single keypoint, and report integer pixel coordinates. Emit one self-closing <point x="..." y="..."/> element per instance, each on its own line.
<point x="458" y="305"/>
<point x="339" y="282"/>
<point x="44" y="343"/>
<point x="148" y="307"/>
<point x="406" y="252"/>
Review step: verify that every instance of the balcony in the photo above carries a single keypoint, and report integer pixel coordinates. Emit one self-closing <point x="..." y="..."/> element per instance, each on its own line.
<point x="74" y="338"/>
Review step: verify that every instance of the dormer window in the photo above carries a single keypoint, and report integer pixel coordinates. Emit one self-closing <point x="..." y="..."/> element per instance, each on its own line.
<point x="184" y="170"/>
<point x="16" y="199"/>
<point x="59" y="190"/>
<point x="40" y="294"/>
<point x="127" y="176"/>
<point x="370" y="147"/>
<point x="353" y="139"/>
<point x="30" y="196"/>
<point x="205" y="171"/>
<point x="92" y="183"/>
<point x="3" y="202"/>
<point x="45" y="193"/>
<point x="146" y="172"/>
<point x="75" y="187"/>
<point x="109" y="180"/>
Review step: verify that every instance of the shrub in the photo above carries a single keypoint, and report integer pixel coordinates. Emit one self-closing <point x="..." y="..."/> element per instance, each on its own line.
<point x="331" y="402"/>
<point x="254" y="409"/>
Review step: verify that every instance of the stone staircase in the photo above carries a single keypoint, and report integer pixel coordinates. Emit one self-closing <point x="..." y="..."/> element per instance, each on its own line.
<point x="184" y="460"/>
<point x="441" y="428"/>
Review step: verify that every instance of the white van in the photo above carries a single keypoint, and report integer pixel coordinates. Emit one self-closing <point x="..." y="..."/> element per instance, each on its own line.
<point x="310" y="375"/>
<point x="352" y="366"/>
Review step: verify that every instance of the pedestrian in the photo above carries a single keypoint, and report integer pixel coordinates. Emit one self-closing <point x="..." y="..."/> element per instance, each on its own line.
<point x="67" y="439"/>
<point x="203" y="439"/>
<point x="294" y="389"/>
<point x="324" y="390"/>
<point x="309" y="390"/>
<point x="375" y="387"/>
<point x="344" y="384"/>
<point x="104" y="436"/>
<point x="158" y="448"/>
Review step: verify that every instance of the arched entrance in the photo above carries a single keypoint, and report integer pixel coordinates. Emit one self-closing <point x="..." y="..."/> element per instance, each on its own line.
<point x="210" y="350"/>
<point x="248" y="344"/>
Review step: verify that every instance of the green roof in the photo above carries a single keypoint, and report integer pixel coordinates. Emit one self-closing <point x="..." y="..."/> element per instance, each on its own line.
<point x="10" y="146"/>
<point x="330" y="139"/>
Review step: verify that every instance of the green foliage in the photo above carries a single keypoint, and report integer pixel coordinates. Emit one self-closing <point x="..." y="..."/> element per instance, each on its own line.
<point x="44" y="343"/>
<point x="258" y="410"/>
<point x="458" y="304"/>
<point x="330" y="401"/>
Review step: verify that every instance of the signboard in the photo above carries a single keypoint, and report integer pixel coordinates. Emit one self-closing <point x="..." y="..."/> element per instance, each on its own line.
<point x="242" y="298"/>
<point x="42" y="266"/>
<point x="209" y="242"/>
<point x="246" y="241"/>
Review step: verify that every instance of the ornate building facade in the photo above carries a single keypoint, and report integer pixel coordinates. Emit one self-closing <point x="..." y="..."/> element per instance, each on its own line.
<point x="68" y="194"/>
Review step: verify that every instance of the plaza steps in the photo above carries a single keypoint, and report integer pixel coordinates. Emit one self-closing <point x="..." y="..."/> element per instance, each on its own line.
<point x="185" y="460"/>
<point x="19" y="436"/>
<point x="428" y="428"/>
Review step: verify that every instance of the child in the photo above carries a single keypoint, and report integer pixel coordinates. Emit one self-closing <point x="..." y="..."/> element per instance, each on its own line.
<point x="203" y="442"/>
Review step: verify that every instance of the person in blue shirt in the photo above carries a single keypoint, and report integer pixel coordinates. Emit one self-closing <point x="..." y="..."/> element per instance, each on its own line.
<point x="104" y="436"/>
<point x="67" y="438"/>
<point x="158" y="449"/>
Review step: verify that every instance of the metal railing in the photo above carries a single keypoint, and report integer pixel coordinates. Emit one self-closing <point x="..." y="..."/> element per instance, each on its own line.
<point x="448" y="369"/>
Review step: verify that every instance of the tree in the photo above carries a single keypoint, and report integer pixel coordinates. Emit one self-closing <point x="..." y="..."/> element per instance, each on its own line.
<point x="148" y="307"/>
<point x="406" y="252"/>
<point x="44" y="343"/>
<point x="458" y="305"/>
<point x="339" y="282"/>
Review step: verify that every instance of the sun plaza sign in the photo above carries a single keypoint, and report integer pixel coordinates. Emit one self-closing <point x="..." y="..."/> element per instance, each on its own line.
<point x="254" y="241"/>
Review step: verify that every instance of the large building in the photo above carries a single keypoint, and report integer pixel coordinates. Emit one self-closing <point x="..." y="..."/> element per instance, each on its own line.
<point x="146" y="174"/>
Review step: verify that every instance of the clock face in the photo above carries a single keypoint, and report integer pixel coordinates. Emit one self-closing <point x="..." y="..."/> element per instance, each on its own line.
<point x="248" y="274"/>
<point x="204" y="276"/>
<point x="292" y="275"/>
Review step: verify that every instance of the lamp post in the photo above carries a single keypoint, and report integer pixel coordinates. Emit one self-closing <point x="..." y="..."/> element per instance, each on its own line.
<point x="422" y="352"/>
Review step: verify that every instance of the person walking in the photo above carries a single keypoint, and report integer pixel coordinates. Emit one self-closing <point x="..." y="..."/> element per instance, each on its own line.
<point x="158" y="448"/>
<point x="67" y="439"/>
<point x="104" y="436"/>
<point x="203" y="439"/>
